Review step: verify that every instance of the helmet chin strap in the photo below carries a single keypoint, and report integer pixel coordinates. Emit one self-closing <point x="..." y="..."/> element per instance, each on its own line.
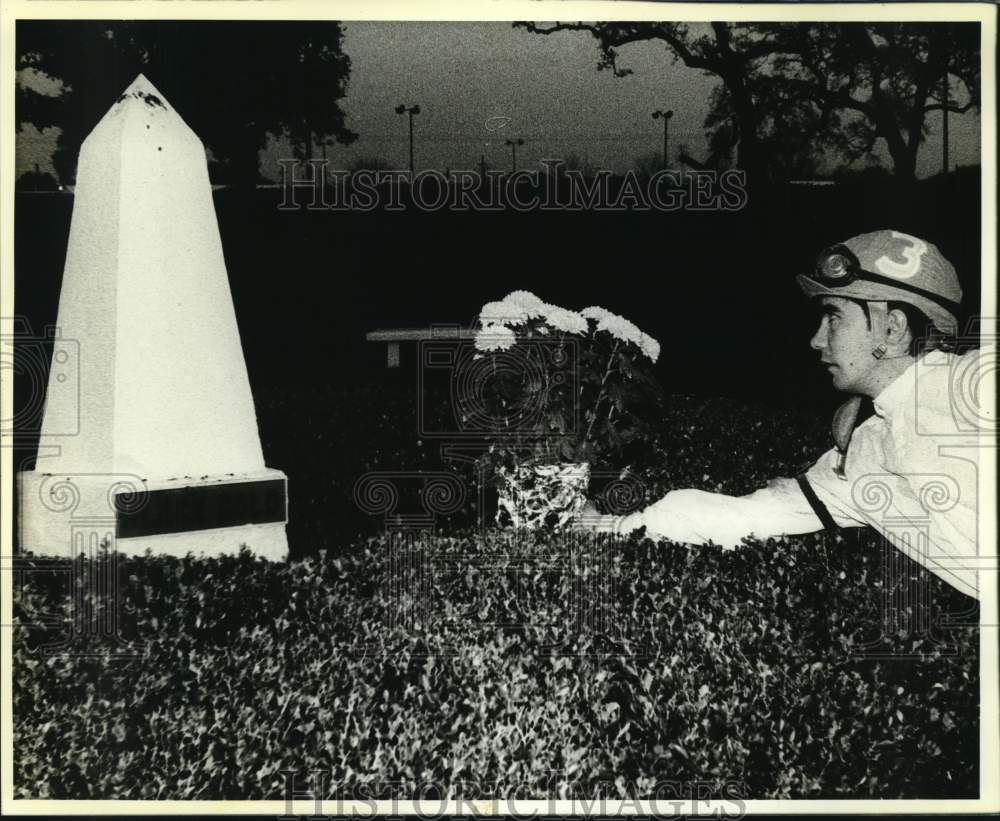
<point x="879" y="314"/>
<point x="845" y="420"/>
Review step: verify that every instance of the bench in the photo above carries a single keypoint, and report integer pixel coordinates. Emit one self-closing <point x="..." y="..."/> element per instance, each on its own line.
<point x="393" y="336"/>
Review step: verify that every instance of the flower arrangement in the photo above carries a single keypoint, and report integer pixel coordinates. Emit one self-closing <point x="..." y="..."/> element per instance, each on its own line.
<point x="560" y="387"/>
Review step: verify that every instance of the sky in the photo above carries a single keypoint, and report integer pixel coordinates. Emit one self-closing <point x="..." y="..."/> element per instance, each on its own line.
<point x="479" y="84"/>
<point x="546" y="90"/>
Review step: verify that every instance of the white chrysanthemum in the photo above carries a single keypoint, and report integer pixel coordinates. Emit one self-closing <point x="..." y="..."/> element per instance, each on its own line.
<point x="596" y="312"/>
<point x="621" y="329"/>
<point x="527" y="302"/>
<point x="650" y="347"/>
<point x="569" y="322"/>
<point x="502" y="313"/>
<point x="494" y="338"/>
<point x="629" y="332"/>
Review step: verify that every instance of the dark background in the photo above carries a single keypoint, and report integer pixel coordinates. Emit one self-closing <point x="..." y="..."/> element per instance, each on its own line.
<point x="715" y="288"/>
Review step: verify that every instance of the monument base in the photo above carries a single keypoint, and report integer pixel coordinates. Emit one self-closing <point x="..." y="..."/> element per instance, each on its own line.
<point x="63" y="515"/>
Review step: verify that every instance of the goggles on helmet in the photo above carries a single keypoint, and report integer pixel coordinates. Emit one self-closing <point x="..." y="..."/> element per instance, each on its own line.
<point x="838" y="267"/>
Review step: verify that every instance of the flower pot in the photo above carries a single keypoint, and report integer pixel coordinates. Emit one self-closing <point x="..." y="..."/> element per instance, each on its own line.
<point x="534" y="496"/>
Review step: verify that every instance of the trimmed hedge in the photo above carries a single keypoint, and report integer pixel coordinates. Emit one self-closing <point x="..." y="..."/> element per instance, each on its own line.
<point x="520" y="664"/>
<point x="699" y="665"/>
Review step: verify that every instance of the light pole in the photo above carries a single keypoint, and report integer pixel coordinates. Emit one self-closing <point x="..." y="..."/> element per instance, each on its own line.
<point x="513" y="152"/>
<point x="944" y="114"/>
<point x="666" y="119"/>
<point x="413" y="109"/>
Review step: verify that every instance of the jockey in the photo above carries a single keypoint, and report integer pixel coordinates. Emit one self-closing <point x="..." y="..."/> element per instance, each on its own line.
<point x="890" y="305"/>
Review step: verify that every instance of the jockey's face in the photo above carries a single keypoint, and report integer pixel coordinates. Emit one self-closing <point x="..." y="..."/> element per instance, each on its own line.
<point x="845" y="343"/>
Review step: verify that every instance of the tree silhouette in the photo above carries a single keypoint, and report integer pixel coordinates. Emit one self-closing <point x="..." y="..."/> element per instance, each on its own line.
<point x="725" y="49"/>
<point x="790" y="91"/>
<point x="879" y="80"/>
<point x="232" y="82"/>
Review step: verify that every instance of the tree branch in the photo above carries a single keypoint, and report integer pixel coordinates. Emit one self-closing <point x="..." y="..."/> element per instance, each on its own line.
<point x="611" y="37"/>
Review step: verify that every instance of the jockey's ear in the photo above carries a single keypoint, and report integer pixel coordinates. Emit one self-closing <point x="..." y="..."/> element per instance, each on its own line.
<point x="897" y="330"/>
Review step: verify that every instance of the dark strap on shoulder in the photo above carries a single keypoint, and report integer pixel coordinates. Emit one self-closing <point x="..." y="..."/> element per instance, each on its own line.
<point x="818" y="507"/>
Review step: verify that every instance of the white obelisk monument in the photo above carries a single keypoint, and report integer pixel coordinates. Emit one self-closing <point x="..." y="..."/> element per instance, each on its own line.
<point x="166" y="450"/>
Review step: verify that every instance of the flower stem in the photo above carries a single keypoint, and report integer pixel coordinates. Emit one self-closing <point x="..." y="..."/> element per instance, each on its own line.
<point x="600" y="393"/>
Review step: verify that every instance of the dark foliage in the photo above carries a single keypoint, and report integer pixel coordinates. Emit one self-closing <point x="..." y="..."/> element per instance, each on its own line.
<point x="789" y="91"/>
<point x="294" y="92"/>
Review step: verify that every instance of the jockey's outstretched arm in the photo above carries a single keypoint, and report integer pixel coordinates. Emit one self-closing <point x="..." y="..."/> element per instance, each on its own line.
<point x="697" y="516"/>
